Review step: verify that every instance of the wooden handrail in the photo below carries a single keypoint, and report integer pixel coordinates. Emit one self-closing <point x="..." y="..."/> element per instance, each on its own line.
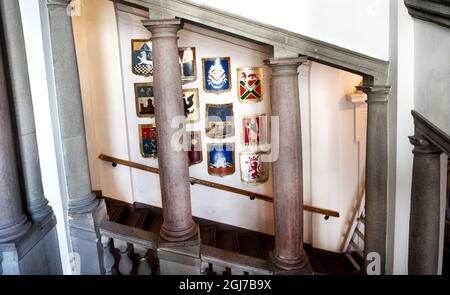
<point x="192" y="180"/>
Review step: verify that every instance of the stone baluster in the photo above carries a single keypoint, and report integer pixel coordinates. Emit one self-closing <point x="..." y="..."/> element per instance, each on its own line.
<point x="289" y="255"/>
<point x="178" y="224"/>
<point x="125" y="262"/>
<point x="108" y="257"/>
<point x="144" y="267"/>
<point x="13" y="222"/>
<point x="37" y="204"/>
<point x="376" y="173"/>
<point x="424" y="223"/>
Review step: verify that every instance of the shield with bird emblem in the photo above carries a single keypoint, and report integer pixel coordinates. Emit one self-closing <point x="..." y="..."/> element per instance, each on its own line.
<point x="250" y="80"/>
<point x="191" y="105"/>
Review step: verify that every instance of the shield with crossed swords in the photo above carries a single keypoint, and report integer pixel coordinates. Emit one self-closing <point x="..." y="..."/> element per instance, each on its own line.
<point x="250" y="80"/>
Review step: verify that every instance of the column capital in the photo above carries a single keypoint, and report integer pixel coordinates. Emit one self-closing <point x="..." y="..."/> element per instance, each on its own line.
<point x="285" y="66"/>
<point x="163" y="28"/>
<point x="62" y="3"/>
<point x="376" y="93"/>
<point x="423" y="146"/>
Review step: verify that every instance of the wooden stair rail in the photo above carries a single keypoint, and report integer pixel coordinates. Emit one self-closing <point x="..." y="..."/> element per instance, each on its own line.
<point x="251" y="195"/>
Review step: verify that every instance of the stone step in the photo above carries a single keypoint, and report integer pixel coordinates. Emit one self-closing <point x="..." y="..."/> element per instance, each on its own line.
<point x="359" y="233"/>
<point x="115" y="213"/>
<point x="136" y="218"/>
<point x="228" y="240"/>
<point x="353" y="261"/>
<point x="208" y="234"/>
<point x="154" y="223"/>
<point x="357" y="249"/>
<point x="251" y="245"/>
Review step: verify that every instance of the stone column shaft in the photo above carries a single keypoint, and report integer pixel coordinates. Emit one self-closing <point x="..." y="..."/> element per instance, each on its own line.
<point x="37" y="204"/>
<point x="376" y="172"/>
<point x="13" y="222"/>
<point x="424" y="220"/>
<point x="173" y="165"/>
<point x="70" y="109"/>
<point x="288" y="191"/>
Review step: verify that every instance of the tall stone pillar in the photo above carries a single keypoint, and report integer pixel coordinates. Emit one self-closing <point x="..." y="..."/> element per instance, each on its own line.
<point x="173" y="164"/>
<point x="289" y="255"/>
<point x="13" y="222"/>
<point x="85" y="211"/>
<point x="70" y="109"/>
<point x="376" y="173"/>
<point x="37" y="204"/>
<point x="424" y="220"/>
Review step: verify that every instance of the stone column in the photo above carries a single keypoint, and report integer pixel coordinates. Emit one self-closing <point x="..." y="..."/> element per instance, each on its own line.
<point x="70" y="109"/>
<point x="85" y="211"/>
<point x="376" y="172"/>
<point x="424" y="220"/>
<point x="13" y="222"/>
<point x="37" y="204"/>
<point x="289" y="254"/>
<point x="173" y="165"/>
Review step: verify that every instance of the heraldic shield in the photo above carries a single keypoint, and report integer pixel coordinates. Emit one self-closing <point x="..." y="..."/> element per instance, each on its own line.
<point x="145" y="100"/>
<point x="216" y="74"/>
<point x="191" y="105"/>
<point x="250" y="80"/>
<point x="141" y="57"/>
<point x="254" y="129"/>
<point x="221" y="159"/>
<point x="187" y="64"/>
<point x="195" y="147"/>
<point x="147" y="136"/>
<point x="253" y="169"/>
<point x="219" y="120"/>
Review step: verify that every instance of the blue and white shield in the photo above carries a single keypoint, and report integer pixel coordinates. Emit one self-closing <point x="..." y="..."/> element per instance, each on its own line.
<point x="142" y="57"/>
<point x="216" y="74"/>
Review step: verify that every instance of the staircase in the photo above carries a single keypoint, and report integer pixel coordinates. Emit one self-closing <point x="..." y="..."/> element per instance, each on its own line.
<point x="353" y="252"/>
<point x="238" y="244"/>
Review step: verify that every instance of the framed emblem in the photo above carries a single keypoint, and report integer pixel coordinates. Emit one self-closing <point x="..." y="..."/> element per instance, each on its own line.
<point x="216" y="74"/>
<point x="187" y="64"/>
<point x="221" y="159"/>
<point x="195" y="147"/>
<point x="250" y="80"/>
<point x="219" y="120"/>
<point x="147" y="140"/>
<point x="253" y="169"/>
<point x="141" y="57"/>
<point x="145" y="101"/>
<point x="191" y="105"/>
<point x="254" y="129"/>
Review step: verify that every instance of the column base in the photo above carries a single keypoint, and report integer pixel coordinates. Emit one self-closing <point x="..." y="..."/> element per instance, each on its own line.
<point x="36" y="253"/>
<point x="297" y="266"/>
<point x="85" y="238"/>
<point x="179" y="235"/>
<point x="15" y="231"/>
<point x="180" y="258"/>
